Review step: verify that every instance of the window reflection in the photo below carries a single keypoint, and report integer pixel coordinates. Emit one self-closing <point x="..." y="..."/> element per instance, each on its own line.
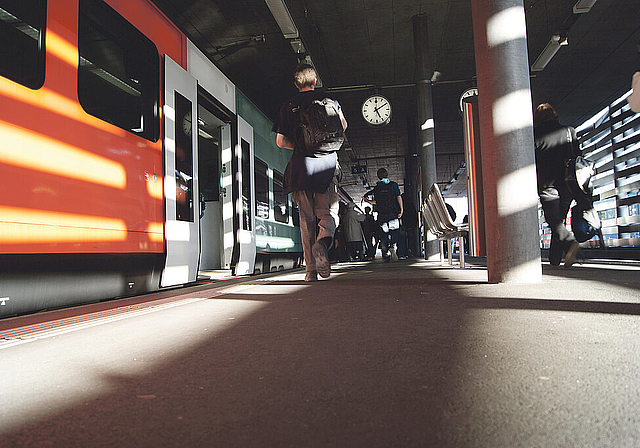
<point x="280" y="200"/>
<point x="118" y="74"/>
<point x="22" y="41"/>
<point x="262" y="189"/>
<point x="184" y="159"/>
<point x="246" y="184"/>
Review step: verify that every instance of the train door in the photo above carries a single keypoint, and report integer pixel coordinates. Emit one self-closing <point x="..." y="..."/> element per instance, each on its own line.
<point x="246" y="203"/>
<point x="180" y="176"/>
<point x="214" y="145"/>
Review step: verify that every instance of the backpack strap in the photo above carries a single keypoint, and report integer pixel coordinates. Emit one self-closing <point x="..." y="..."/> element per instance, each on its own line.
<point x="574" y="148"/>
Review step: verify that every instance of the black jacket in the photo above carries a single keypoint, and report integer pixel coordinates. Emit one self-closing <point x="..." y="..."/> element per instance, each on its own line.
<point x="555" y="144"/>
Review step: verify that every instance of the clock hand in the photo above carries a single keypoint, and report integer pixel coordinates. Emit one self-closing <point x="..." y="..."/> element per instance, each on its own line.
<point x="379" y="107"/>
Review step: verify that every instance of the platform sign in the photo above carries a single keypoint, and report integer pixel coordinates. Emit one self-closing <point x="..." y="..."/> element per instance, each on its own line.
<point x="358" y="169"/>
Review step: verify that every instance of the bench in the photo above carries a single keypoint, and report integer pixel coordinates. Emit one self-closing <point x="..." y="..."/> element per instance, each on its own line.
<point x="437" y="218"/>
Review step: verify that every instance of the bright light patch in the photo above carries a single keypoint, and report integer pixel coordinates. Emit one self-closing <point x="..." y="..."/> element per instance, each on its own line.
<point x="155" y="232"/>
<point x="175" y="275"/>
<point x="512" y="112"/>
<point x="227" y="210"/>
<point x="274" y="242"/>
<point x="47" y="99"/>
<point x="427" y="144"/>
<point x="273" y="289"/>
<point x="154" y="188"/>
<point x="21" y="225"/>
<point x="169" y="112"/>
<point x="243" y="268"/>
<point x="62" y="48"/>
<point x="170" y="145"/>
<point x="512" y="198"/>
<point x="226" y="155"/>
<point x="506" y="26"/>
<point x="527" y="272"/>
<point x="170" y="188"/>
<point x="226" y="181"/>
<point x="178" y="231"/>
<point x="228" y="239"/>
<point x="66" y="378"/>
<point x="245" y="237"/>
<point x="429" y="124"/>
<point x="30" y="150"/>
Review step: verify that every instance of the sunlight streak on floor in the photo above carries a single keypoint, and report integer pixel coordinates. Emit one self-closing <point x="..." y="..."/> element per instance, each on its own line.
<point x="68" y="367"/>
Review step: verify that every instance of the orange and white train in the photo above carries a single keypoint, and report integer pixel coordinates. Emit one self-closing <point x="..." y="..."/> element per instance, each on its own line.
<point x="115" y="132"/>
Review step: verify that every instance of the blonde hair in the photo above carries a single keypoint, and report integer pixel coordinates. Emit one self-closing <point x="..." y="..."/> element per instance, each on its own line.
<point x="305" y="75"/>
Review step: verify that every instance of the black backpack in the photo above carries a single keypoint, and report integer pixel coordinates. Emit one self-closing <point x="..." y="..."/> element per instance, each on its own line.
<point x="320" y="129"/>
<point x="386" y="202"/>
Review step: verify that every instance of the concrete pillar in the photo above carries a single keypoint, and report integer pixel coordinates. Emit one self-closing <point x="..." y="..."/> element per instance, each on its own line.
<point x="426" y="140"/>
<point x="411" y="169"/>
<point x="506" y="131"/>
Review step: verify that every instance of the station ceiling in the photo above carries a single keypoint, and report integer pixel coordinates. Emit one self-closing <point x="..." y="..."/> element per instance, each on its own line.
<point x="359" y="46"/>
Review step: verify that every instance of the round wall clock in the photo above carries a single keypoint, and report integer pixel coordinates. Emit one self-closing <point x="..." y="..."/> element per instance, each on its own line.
<point x="376" y="110"/>
<point x="186" y="123"/>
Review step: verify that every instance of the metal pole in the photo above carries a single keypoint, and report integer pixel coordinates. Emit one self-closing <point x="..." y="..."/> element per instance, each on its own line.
<point x="506" y="130"/>
<point x="426" y="124"/>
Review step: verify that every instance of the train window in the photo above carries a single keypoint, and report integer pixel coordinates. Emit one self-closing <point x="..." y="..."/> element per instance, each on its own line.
<point x="209" y="167"/>
<point x="262" y="189"/>
<point x="295" y="215"/>
<point x="184" y="161"/>
<point x="22" y="39"/>
<point x="280" y="200"/>
<point x="246" y="184"/>
<point x="118" y="72"/>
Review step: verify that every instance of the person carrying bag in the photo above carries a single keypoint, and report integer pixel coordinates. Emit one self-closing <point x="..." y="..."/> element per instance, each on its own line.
<point x="387" y="200"/>
<point x="555" y="145"/>
<point x="585" y="222"/>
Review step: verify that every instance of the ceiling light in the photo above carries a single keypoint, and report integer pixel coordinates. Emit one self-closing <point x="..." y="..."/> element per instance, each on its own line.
<point x="583" y="6"/>
<point x="549" y="52"/>
<point x="283" y="17"/>
<point x="297" y="45"/>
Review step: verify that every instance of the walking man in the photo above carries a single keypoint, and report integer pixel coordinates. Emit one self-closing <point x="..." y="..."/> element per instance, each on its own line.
<point x="311" y="177"/>
<point x="388" y="202"/>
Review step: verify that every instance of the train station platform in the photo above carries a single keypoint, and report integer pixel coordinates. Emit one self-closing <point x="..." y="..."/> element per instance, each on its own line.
<point x="406" y="354"/>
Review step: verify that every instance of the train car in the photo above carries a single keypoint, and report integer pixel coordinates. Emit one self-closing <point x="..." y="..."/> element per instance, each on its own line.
<point x="129" y="160"/>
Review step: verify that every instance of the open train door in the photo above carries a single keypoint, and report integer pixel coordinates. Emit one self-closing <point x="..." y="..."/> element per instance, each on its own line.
<point x="181" y="230"/>
<point x="245" y="205"/>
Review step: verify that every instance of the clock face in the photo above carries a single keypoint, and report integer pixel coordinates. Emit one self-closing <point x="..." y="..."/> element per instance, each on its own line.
<point x="186" y="123"/>
<point x="376" y="110"/>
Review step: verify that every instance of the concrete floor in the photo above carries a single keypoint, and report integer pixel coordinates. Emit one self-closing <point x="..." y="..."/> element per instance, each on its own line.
<point x="407" y="354"/>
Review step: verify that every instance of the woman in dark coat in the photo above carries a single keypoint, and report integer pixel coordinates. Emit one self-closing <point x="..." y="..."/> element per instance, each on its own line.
<point x="555" y="144"/>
